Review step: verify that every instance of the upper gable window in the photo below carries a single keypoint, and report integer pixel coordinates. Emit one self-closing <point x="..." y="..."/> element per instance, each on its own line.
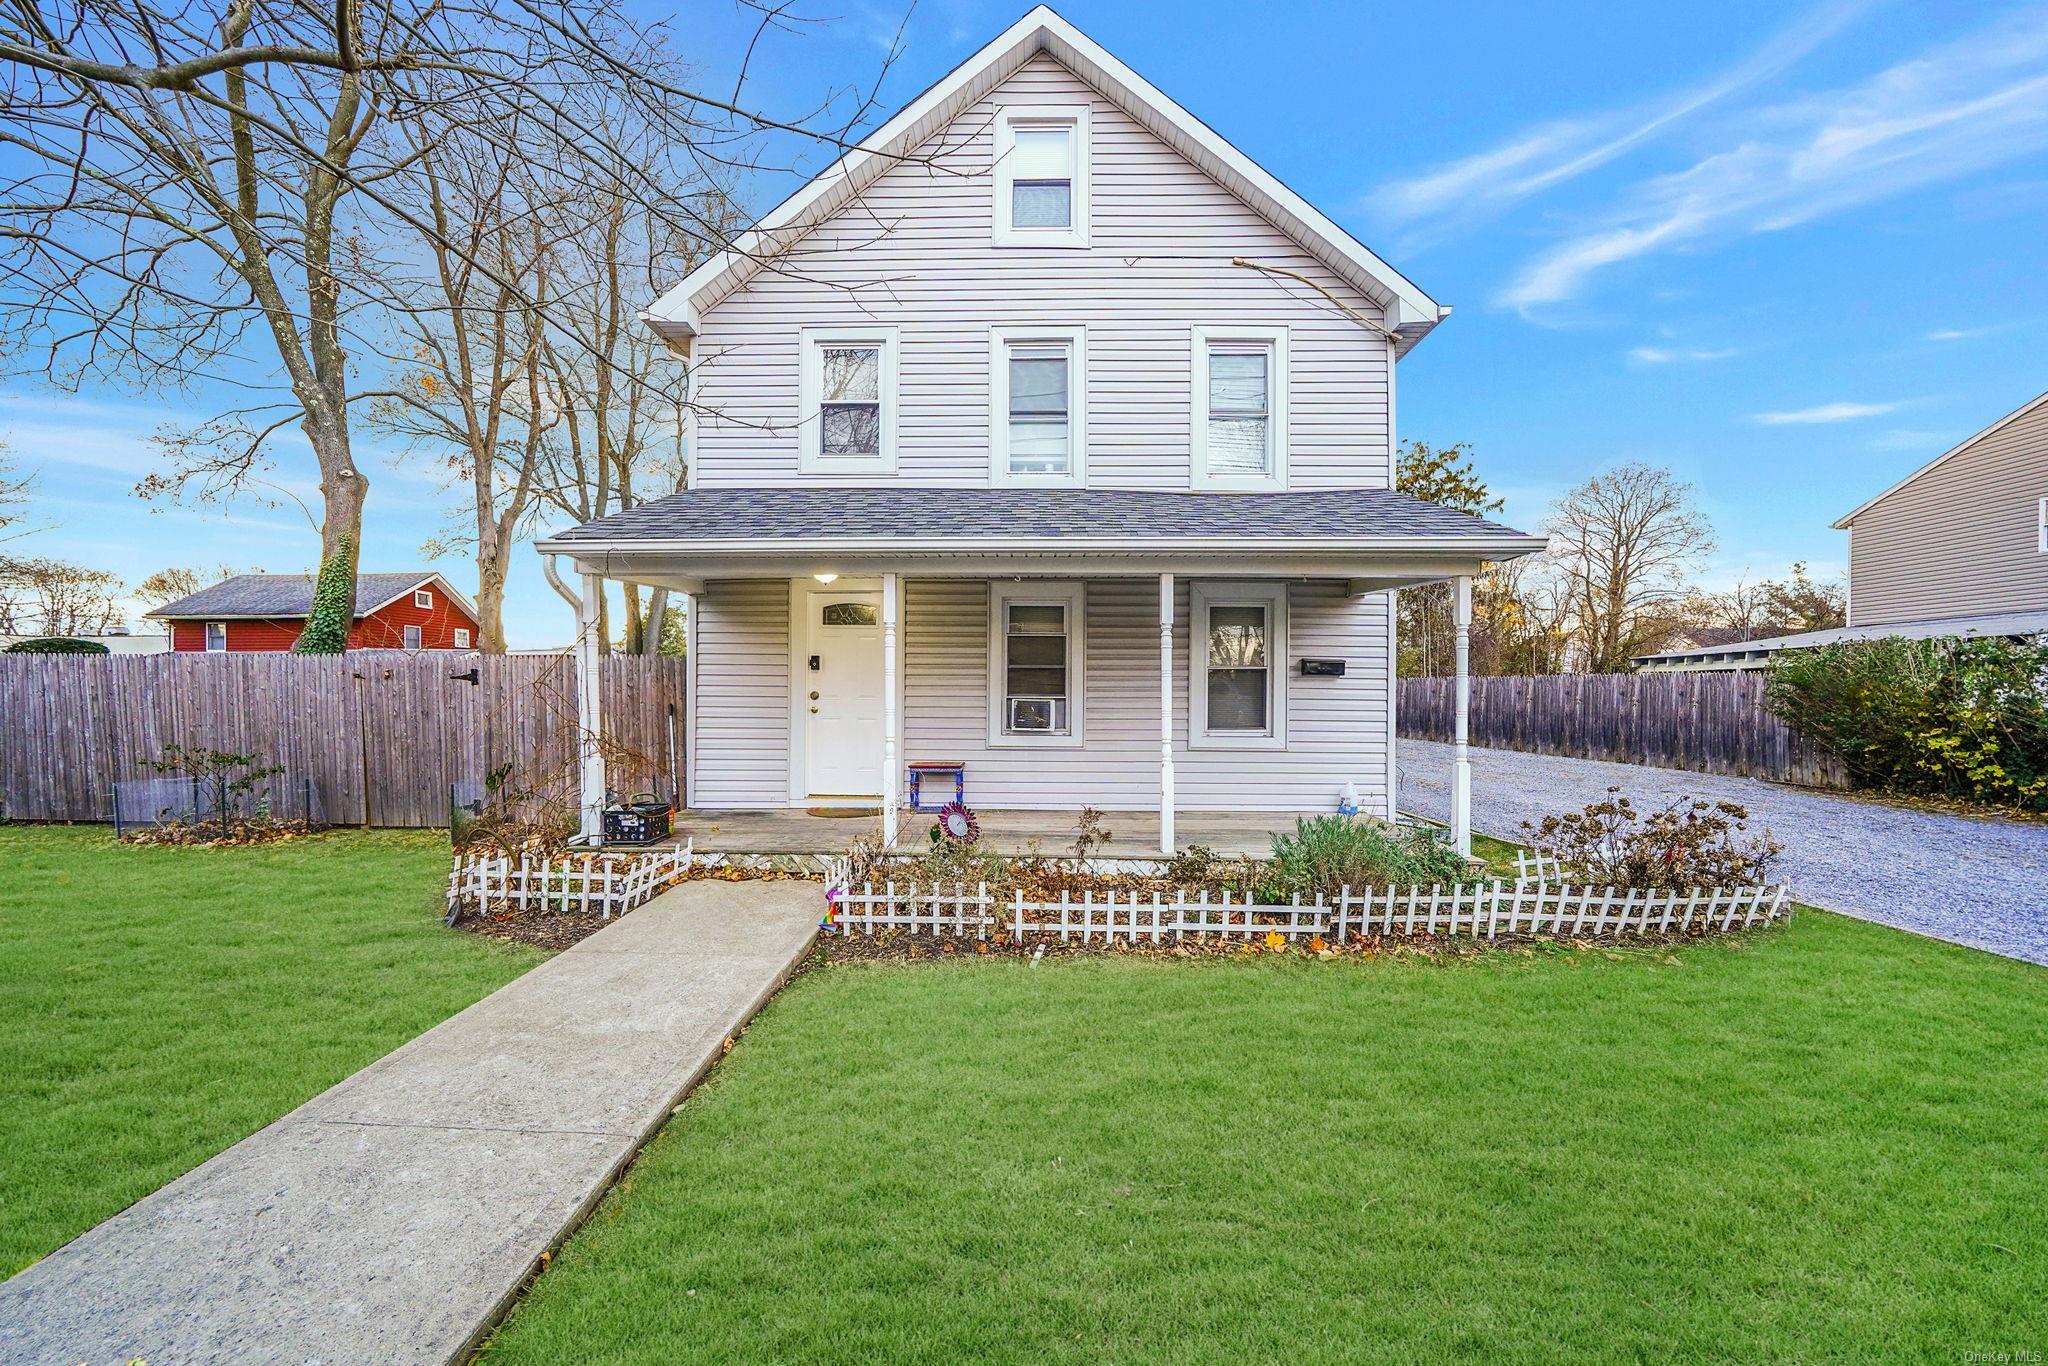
<point x="1239" y="422"/>
<point x="422" y="597"/>
<point x="1041" y="170"/>
<point x="849" y="401"/>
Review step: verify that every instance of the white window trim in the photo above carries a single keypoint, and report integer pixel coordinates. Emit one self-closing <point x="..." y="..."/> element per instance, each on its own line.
<point x="1202" y="596"/>
<point x="1198" y="409"/>
<point x="461" y="638"/>
<point x="2042" y="515"/>
<point x="206" y="638"/>
<point x="1000" y="340"/>
<point x="411" y="637"/>
<point x="1073" y="596"/>
<point x="811" y="342"/>
<point x="422" y="597"/>
<point x="1075" y="234"/>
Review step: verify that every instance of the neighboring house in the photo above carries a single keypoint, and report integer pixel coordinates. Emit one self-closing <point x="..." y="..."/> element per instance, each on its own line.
<point x="120" y="642"/>
<point x="1049" y="434"/>
<point x="416" y="611"/>
<point x="1959" y="547"/>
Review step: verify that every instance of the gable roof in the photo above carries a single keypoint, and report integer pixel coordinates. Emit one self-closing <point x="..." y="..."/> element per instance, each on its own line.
<point x="1410" y="312"/>
<point x="291" y="595"/>
<point x="1842" y="523"/>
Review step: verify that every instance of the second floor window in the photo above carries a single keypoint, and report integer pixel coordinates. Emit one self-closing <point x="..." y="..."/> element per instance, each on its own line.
<point x="1041" y="171"/>
<point x="1037" y="411"/>
<point x="849" y="401"/>
<point x="1240" y="408"/>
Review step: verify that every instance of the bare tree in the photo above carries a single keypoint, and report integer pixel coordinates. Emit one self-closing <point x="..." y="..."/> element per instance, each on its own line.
<point x="56" y="598"/>
<point x="15" y="488"/>
<point x="212" y="195"/>
<point x="168" y="585"/>
<point x="1622" y="542"/>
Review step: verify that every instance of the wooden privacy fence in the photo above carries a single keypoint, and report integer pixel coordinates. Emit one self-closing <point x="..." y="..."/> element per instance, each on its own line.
<point x="1706" y="722"/>
<point x="381" y="734"/>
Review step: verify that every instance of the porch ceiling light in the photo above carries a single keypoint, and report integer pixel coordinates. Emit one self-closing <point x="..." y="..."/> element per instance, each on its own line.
<point x="825" y="578"/>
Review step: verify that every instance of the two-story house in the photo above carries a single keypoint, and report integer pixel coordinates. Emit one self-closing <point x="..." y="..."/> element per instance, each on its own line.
<point x="1959" y="547"/>
<point x="1048" y="434"/>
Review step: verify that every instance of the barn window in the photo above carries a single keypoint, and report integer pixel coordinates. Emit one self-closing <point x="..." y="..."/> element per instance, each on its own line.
<point x="422" y="598"/>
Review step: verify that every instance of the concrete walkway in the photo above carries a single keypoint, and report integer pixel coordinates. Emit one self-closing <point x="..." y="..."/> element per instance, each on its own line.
<point x="393" y="1218"/>
<point x="1981" y="882"/>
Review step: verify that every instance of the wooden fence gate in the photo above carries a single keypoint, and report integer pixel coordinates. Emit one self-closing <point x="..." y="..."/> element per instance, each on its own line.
<point x="381" y="735"/>
<point x="1706" y="722"/>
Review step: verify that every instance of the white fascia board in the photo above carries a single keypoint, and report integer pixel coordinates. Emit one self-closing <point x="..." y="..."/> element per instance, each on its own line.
<point x="1842" y="523"/>
<point x="674" y="316"/>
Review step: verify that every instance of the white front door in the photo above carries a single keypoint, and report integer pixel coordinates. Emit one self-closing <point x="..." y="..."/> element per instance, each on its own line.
<point x="841" y="686"/>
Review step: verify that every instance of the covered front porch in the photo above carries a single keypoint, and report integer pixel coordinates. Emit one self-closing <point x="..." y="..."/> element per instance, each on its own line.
<point x="1200" y="666"/>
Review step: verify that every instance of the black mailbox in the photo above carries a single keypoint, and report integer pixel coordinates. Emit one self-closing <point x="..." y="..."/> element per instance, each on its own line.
<point x="1322" y="668"/>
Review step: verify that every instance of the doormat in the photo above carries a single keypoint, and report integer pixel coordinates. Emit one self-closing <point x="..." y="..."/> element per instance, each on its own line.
<point x="841" y="812"/>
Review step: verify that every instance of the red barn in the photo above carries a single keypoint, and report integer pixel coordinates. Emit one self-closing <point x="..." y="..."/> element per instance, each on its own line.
<point x="418" y="611"/>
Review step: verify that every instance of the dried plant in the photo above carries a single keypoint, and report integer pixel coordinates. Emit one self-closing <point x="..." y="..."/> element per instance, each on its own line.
<point x="1688" y="844"/>
<point x="1089" y="832"/>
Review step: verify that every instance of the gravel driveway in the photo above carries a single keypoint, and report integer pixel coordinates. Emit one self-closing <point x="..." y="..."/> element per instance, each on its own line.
<point x="1978" y="882"/>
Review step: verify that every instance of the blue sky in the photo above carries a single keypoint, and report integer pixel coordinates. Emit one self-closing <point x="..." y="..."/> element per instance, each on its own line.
<point x="1790" y="251"/>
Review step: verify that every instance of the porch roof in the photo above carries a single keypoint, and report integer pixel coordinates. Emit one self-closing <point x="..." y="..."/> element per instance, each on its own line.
<point x="1336" y="532"/>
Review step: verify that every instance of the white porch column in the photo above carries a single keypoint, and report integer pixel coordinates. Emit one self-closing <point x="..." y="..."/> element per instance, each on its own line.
<point x="589" y="712"/>
<point x="891" y="591"/>
<point x="1166" y="714"/>
<point x="1461" y="764"/>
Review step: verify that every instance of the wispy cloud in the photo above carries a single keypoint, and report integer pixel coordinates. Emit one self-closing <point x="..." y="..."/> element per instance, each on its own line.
<point x="1826" y="412"/>
<point x="1973" y="103"/>
<point x="1668" y="355"/>
<point x="1552" y="153"/>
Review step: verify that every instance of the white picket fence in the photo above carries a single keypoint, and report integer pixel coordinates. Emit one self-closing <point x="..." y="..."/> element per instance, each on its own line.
<point x="1483" y="910"/>
<point x="603" y="884"/>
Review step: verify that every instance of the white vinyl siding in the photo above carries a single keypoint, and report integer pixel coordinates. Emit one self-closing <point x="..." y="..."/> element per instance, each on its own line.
<point x="1963" y="538"/>
<point x="917" y="254"/>
<point x="741" y="703"/>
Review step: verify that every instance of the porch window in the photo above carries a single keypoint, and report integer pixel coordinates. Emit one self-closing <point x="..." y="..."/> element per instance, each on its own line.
<point x="1035" y="665"/>
<point x="1041" y="173"/>
<point x="848" y="384"/>
<point x="1038" y="405"/>
<point x="1237" y="683"/>
<point x="1239" y="422"/>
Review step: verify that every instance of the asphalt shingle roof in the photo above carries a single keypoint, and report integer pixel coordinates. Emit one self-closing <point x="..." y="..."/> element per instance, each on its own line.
<point x="753" y="514"/>
<point x="281" y="595"/>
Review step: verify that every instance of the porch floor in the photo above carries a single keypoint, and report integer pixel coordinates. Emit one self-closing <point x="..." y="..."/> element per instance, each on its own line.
<point x="1134" y="834"/>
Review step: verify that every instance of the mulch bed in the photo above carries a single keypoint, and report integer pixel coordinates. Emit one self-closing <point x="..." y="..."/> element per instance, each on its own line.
<point x="903" y="946"/>
<point x="208" y="833"/>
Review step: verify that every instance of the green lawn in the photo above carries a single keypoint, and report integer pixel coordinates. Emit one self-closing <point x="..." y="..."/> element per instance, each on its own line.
<point x="1824" y="1142"/>
<point x="161" y="1004"/>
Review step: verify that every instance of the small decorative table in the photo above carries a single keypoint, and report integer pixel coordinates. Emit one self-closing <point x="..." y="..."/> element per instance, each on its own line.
<point x="937" y="769"/>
